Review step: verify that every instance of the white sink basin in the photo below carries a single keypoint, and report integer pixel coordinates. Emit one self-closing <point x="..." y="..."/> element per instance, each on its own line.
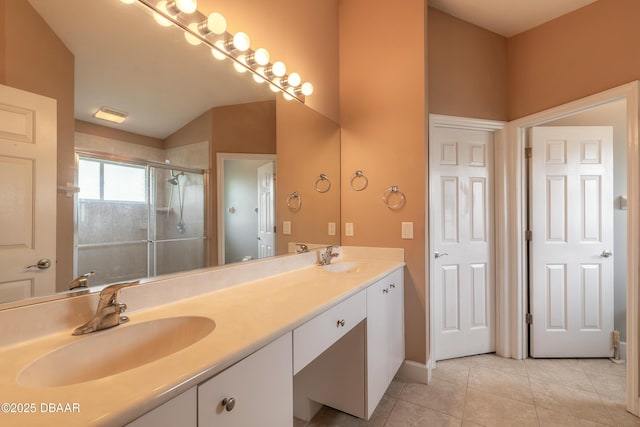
<point x="342" y="267"/>
<point x="109" y="352"/>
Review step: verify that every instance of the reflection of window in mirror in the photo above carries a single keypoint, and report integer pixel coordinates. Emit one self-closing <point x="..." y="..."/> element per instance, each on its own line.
<point x="100" y="180"/>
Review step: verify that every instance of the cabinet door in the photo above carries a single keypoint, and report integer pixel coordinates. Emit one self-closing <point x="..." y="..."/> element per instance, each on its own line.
<point x="260" y="385"/>
<point x="395" y="322"/>
<point x="377" y="344"/>
<point x="385" y="335"/>
<point x="179" y="411"/>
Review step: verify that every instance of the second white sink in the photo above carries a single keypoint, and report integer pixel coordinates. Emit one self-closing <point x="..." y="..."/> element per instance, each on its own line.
<point x="115" y="350"/>
<point x="342" y="267"/>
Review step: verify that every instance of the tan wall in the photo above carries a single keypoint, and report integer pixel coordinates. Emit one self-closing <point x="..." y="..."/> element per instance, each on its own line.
<point x="308" y="145"/>
<point x="467" y="69"/>
<point x="302" y="34"/>
<point x="3" y="44"/>
<point x="117" y="134"/>
<point x="197" y="130"/>
<point x="244" y="128"/>
<point x="590" y="50"/>
<point x="383" y="118"/>
<point x="37" y="61"/>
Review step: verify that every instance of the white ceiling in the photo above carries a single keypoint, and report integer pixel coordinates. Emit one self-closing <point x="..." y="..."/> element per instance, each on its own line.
<point x="126" y="61"/>
<point x="508" y="17"/>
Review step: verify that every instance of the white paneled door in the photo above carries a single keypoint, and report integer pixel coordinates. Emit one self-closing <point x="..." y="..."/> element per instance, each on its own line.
<point x="266" y="211"/>
<point x="571" y="260"/>
<point x="27" y="194"/>
<point x="462" y="271"/>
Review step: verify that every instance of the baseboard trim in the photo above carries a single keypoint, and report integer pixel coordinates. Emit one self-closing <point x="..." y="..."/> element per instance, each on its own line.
<point x="415" y="371"/>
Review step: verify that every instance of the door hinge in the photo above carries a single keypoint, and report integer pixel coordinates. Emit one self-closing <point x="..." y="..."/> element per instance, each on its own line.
<point x="528" y="235"/>
<point x="528" y="153"/>
<point x="529" y="318"/>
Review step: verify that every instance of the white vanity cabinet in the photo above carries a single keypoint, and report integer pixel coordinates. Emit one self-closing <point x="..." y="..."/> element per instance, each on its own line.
<point x="385" y="335"/>
<point x="257" y="391"/>
<point x="351" y="372"/>
<point x="179" y="411"/>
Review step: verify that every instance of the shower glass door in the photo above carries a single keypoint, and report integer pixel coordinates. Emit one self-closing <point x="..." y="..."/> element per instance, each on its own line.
<point x="178" y="235"/>
<point x="137" y="219"/>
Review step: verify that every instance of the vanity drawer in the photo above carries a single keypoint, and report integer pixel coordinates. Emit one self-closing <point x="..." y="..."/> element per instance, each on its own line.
<point x="319" y="333"/>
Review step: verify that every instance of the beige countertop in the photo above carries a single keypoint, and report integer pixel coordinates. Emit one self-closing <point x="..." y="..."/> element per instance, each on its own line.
<point x="247" y="317"/>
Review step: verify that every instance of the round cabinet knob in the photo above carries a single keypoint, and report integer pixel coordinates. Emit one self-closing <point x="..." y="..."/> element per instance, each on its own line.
<point x="228" y="403"/>
<point x="392" y="286"/>
<point x="340" y="323"/>
<point x="385" y="291"/>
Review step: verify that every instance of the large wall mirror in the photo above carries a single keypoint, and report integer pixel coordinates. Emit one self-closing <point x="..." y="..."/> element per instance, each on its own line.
<point x="208" y="167"/>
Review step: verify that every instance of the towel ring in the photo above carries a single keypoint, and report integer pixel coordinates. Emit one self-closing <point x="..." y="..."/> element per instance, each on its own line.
<point x="294" y="196"/>
<point x="355" y="176"/>
<point x="322" y="178"/>
<point x="393" y="190"/>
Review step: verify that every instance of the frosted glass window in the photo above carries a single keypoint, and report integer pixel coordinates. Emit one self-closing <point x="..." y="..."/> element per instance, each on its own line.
<point x="124" y="183"/>
<point x="108" y="181"/>
<point x="89" y="179"/>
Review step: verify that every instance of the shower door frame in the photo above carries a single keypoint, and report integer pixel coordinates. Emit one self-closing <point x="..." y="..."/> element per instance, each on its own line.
<point x="134" y="161"/>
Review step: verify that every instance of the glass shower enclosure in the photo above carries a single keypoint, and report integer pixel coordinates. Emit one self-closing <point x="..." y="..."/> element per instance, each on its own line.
<point x="137" y="219"/>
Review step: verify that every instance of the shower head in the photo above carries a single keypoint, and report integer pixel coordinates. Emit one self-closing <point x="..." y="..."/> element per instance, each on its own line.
<point x="174" y="178"/>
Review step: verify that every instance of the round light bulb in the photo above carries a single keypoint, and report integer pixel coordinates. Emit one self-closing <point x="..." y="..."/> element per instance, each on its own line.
<point x="187" y="6"/>
<point x="279" y="69"/>
<point x="217" y="52"/>
<point x="289" y="94"/>
<point x="162" y="6"/>
<point x="241" y="41"/>
<point x="262" y="56"/>
<point x="257" y="76"/>
<point x="239" y="67"/>
<point x="216" y="23"/>
<point x="273" y="86"/>
<point x="306" y="89"/>
<point x="294" y="80"/>
<point x="191" y="39"/>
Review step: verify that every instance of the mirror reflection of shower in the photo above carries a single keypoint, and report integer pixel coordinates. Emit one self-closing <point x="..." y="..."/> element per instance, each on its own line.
<point x="174" y="181"/>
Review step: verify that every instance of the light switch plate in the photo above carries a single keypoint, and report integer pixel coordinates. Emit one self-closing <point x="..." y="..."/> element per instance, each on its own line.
<point x="348" y="229"/>
<point x="286" y="227"/>
<point x="407" y="230"/>
<point x="332" y="229"/>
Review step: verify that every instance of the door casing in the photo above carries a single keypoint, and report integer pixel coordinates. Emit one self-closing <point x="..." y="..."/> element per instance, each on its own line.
<point x="497" y="127"/>
<point x="220" y="158"/>
<point x="511" y="225"/>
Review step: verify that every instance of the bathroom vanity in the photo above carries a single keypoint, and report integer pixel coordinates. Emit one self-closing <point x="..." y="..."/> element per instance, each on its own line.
<point x="246" y="344"/>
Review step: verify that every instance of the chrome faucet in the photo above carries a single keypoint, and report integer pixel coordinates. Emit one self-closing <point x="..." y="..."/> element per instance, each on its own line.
<point x="327" y="255"/>
<point x="81" y="281"/>
<point x="109" y="310"/>
<point x="302" y="248"/>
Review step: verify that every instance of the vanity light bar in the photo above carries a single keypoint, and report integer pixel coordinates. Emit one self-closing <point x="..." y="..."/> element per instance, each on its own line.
<point x="212" y="32"/>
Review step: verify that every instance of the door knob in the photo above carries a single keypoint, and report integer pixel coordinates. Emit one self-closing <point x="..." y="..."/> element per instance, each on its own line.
<point x="43" y="264"/>
<point x="440" y="255"/>
<point x="606" y="254"/>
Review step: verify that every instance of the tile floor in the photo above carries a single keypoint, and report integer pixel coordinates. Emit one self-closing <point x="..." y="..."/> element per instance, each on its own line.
<point x="486" y="390"/>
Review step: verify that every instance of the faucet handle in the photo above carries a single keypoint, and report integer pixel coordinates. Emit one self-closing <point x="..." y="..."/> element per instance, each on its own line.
<point x="110" y="293"/>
